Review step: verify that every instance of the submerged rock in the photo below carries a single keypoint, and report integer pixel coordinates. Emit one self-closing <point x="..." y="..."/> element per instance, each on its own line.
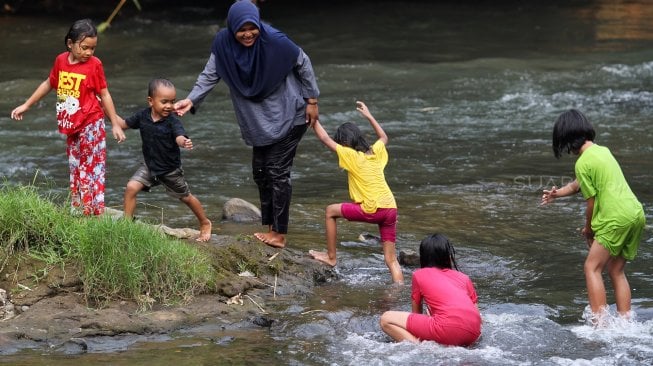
<point x="224" y="341"/>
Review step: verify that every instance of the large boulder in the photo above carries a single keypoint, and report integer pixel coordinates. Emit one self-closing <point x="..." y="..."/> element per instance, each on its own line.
<point x="239" y="210"/>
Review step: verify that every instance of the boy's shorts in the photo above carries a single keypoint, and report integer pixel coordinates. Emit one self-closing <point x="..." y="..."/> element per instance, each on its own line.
<point x="386" y="218"/>
<point x="174" y="182"/>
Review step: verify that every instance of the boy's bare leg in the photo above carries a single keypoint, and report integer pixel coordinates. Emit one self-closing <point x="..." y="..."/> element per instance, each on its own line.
<point x="129" y="200"/>
<point x="390" y="256"/>
<point x="333" y="212"/>
<point x="205" y="224"/>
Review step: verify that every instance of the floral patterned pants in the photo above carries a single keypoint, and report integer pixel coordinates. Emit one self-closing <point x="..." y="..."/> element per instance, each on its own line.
<point x="87" y="162"/>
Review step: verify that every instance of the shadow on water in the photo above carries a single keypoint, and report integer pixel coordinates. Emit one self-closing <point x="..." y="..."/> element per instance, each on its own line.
<point x="467" y="93"/>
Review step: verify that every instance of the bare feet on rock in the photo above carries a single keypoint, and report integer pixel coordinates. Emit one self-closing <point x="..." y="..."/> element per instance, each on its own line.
<point x="322" y="257"/>
<point x="205" y="231"/>
<point x="272" y="239"/>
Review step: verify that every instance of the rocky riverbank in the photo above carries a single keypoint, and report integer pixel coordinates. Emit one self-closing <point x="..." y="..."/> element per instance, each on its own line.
<point x="46" y="308"/>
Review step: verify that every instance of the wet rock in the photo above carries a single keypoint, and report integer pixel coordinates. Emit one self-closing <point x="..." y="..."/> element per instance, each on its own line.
<point x="182" y="233"/>
<point x="239" y="210"/>
<point x="224" y="341"/>
<point x="409" y="258"/>
<point x="73" y="346"/>
<point x="370" y="239"/>
<point x="263" y="321"/>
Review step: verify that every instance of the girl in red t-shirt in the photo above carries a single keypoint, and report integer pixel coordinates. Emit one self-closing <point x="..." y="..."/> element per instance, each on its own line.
<point x="452" y="316"/>
<point x="78" y="77"/>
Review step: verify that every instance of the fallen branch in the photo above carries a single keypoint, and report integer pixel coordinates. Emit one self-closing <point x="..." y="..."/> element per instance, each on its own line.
<point x="255" y="303"/>
<point x="312" y="311"/>
<point x="274" y="292"/>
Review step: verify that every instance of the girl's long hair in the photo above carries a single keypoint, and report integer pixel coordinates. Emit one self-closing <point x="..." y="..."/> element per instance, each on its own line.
<point x="436" y="251"/>
<point x="348" y="134"/>
<point x="79" y="30"/>
<point x="570" y="132"/>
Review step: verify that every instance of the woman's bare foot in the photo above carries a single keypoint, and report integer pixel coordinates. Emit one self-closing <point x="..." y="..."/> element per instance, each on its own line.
<point x="205" y="231"/>
<point x="273" y="239"/>
<point x="322" y="257"/>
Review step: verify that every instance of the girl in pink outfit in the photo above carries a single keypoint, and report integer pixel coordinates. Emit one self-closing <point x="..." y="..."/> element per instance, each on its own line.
<point x="452" y="316"/>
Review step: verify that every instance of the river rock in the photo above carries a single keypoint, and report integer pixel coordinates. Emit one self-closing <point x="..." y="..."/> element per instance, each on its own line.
<point x="409" y="258"/>
<point x="179" y="233"/>
<point x="239" y="210"/>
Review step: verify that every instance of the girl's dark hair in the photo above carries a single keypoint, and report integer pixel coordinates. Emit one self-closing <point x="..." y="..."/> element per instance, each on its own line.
<point x="436" y="251"/>
<point x="157" y="83"/>
<point x="348" y="134"/>
<point x="570" y="132"/>
<point x="79" y="30"/>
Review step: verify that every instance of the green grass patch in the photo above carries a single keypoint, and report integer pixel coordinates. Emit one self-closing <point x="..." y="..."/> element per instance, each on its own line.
<point x="117" y="259"/>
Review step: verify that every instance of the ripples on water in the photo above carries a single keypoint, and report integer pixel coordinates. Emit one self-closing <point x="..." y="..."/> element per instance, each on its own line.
<point x="468" y="95"/>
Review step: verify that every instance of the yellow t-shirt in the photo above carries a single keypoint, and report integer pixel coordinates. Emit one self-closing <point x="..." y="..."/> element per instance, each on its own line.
<point x="367" y="184"/>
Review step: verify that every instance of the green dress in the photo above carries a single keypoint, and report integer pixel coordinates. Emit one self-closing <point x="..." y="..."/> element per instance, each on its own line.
<point x="618" y="218"/>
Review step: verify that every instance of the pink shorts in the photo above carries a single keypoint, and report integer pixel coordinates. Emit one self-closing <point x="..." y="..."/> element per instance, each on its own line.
<point x="428" y="328"/>
<point x="386" y="218"/>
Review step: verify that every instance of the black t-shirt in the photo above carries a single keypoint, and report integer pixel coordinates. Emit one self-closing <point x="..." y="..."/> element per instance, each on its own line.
<point x="160" y="149"/>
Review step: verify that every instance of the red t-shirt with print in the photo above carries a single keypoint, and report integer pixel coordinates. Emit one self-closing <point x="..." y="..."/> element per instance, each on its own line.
<point x="78" y="88"/>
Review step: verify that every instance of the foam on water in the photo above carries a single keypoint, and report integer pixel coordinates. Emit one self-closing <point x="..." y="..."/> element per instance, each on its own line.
<point x="507" y="339"/>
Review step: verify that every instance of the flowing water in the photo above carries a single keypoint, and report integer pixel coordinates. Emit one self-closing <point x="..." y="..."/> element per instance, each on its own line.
<point x="467" y="93"/>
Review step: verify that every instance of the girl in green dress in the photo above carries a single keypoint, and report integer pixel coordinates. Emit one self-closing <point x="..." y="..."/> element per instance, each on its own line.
<point x="614" y="219"/>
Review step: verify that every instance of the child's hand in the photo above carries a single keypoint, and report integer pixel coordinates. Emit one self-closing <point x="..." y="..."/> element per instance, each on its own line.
<point x="117" y="127"/>
<point x="549" y="196"/>
<point x="118" y="134"/>
<point x="17" y="113"/>
<point x="362" y="108"/>
<point x="588" y="234"/>
<point x="188" y="144"/>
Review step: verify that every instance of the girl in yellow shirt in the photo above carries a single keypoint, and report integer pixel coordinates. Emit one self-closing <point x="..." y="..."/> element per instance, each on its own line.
<point x="373" y="201"/>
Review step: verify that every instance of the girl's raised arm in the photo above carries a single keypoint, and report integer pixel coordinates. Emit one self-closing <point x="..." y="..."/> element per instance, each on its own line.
<point x="324" y="136"/>
<point x="362" y="108"/>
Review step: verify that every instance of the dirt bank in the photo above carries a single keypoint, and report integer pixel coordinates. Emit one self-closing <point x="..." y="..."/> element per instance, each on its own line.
<point x="50" y="310"/>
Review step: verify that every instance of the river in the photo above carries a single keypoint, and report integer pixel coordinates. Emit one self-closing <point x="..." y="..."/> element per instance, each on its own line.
<point x="467" y="93"/>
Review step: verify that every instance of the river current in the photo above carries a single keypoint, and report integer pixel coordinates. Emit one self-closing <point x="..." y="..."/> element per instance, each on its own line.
<point x="467" y="93"/>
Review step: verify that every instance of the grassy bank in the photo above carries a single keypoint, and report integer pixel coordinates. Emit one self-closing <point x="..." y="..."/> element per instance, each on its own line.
<point x="116" y="259"/>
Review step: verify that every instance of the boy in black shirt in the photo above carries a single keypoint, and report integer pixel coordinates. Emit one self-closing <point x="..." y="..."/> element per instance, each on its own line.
<point x="162" y="134"/>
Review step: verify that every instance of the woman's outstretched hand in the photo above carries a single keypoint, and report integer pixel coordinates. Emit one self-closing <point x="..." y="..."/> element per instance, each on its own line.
<point x="183" y="106"/>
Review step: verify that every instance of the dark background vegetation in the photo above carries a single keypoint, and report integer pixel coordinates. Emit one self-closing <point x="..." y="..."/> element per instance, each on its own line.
<point x="102" y="8"/>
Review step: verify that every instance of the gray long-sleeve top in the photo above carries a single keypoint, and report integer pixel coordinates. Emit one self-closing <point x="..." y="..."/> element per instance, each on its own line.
<point x="266" y="121"/>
